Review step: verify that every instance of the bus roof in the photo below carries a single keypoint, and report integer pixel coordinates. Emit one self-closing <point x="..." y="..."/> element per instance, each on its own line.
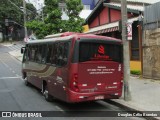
<point x="50" y="40"/>
<point x="70" y="35"/>
<point x="59" y="35"/>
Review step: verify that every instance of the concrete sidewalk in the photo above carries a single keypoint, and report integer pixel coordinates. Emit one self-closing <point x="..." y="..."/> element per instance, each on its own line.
<point x="145" y="92"/>
<point x="145" y="95"/>
<point x="17" y="54"/>
<point x="9" y="43"/>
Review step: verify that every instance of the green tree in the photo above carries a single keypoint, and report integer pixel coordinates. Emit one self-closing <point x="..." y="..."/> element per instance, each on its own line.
<point x="74" y="7"/>
<point x="53" y="23"/>
<point x="53" y="19"/>
<point x="40" y="29"/>
<point x="31" y="11"/>
<point x="11" y="9"/>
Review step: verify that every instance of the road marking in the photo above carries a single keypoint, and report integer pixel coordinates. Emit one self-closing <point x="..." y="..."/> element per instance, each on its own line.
<point x="15" y="47"/>
<point x="10" y="77"/>
<point x="19" y="62"/>
<point x="4" y="63"/>
<point x="17" y="76"/>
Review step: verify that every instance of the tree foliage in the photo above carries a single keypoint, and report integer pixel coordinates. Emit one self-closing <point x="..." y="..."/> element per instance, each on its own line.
<point x="73" y="8"/>
<point x="53" y="22"/>
<point x="11" y="10"/>
<point x="39" y="28"/>
<point x="8" y="10"/>
<point x="31" y="11"/>
<point x="74" y="24"/>
<point x="53" y="19"/>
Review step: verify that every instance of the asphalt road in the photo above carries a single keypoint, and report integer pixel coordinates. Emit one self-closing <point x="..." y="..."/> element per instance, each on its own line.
<point x="15" y="96"/>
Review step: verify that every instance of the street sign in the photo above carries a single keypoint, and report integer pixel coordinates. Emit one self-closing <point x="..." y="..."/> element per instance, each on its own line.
<point x="129" y="30"/>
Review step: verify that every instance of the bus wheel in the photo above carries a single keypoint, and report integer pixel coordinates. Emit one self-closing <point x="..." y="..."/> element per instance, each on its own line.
<point x="47" y="96"/>
<point x="26" y="81"/>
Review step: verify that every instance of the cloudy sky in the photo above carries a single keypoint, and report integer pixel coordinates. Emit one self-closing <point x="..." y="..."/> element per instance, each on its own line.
<point x="37" y="3"/>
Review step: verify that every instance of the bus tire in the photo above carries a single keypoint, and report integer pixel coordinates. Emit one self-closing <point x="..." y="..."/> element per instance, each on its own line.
<point x="26" y="81"/>
<point x="46" y="94"/>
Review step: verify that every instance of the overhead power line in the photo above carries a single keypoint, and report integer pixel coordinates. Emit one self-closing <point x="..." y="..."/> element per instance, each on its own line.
<point x="15" y="5"/>
<point x="22" y="11"/>
<point x="19" y="7"/>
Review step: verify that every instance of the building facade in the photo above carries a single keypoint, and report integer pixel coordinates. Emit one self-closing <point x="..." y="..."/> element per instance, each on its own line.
<point x="151" y="42"/>
<point x="105" y="20"/>
<point x="89" y="4"/>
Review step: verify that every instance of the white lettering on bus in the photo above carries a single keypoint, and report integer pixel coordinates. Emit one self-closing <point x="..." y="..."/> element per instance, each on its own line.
<point x="101" y="67"/>
<point x="103" y="70"/>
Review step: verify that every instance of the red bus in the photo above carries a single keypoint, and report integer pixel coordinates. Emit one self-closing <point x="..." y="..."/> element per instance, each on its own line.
<point x="75" y="67"/>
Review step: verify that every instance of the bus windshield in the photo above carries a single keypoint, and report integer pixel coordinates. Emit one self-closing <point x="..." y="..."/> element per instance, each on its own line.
<point x="90" y="51"/>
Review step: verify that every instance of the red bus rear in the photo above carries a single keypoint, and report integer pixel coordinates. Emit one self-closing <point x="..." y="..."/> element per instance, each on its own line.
<point x="96" y="70"/>
<point x="92" y="69"/>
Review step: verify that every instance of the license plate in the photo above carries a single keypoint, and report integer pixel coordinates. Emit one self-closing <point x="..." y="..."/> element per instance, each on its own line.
<point x="99" y="97"/>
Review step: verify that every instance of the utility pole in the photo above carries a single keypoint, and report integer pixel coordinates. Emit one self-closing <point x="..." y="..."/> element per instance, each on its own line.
<point x="24" y="13"/>
<point x="126" y="57"/>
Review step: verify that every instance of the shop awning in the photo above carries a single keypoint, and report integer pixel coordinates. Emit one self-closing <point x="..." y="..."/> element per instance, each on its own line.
<point x="106" y="30"/>
<point x="111" y="27"/>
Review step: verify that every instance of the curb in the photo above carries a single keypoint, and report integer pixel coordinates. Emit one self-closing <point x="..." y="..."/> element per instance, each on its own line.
<point x="129" y="108"/>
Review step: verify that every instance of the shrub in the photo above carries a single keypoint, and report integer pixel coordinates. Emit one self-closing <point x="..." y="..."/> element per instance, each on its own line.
<point x="136" y="72"/>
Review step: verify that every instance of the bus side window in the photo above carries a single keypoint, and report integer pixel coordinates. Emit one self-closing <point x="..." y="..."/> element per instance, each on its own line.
<point x="62" y="54"/>
<point x="66" y="52"/>
<point x="25" y="55"/>
<point x="38" y="56"/>
<point x="29" y="53"/>
<point x="59" y="54"/>
<point x="32" y="53"/>
<point x="54" y="54"/>
<point x="49" y="51"/>
<point x="43" y="53"/>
